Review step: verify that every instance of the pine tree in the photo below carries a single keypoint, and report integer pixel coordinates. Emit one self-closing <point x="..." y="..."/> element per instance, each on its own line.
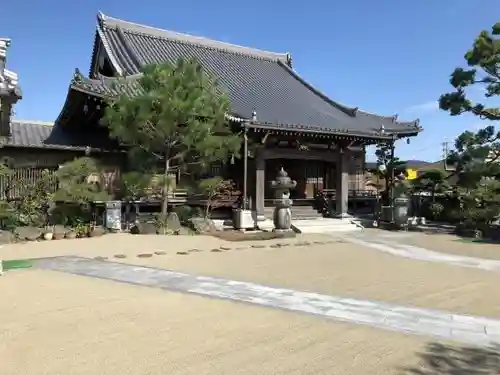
<point x="384" y="154"/>
<point x="480" y="149"/>
<point x="477" y="154"/>
<point x="179" y="117"/>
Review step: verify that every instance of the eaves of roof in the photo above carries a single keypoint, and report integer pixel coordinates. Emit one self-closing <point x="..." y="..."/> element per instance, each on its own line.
<point x="254" y="80"/>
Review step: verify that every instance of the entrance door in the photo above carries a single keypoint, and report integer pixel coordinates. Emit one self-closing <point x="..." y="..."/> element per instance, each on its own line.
<point x="314" y="177"/>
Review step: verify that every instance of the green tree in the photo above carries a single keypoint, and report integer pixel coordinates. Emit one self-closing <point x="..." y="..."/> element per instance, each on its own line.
<point x="433" y="180"/>
<point x="74" y="184"/>
<point x="476" y="154"/>
<point x="179" y="117"/>
<point x="385" y="156"/>
<point x="484" y="60"/>
<point x="482" y="205"/>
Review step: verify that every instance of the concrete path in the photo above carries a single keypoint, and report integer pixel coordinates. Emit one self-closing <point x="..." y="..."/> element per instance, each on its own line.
<point x="434" y="323"/>
<point x="388" y="244"/>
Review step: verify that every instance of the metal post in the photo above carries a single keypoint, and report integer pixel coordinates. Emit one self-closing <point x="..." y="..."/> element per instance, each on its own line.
<point x="245" y="168"/>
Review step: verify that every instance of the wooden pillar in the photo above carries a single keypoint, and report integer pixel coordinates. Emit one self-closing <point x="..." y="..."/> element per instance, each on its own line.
<point x="342" y="185"/>
<point x="260" y="185"/>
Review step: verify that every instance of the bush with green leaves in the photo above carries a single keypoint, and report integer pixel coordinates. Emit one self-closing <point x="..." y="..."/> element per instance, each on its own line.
<point x="135" y="185"/>
<point x="217" y="191"/>
<point x="33" y="206"/>
<point x="187" y="212"/>
<point x="76" y="191"/>
<point x="436" y="210"/>
<point x="74" y="184"/>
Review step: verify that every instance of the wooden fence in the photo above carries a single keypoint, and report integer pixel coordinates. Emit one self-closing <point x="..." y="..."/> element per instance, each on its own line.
<point x="22" y="179"/>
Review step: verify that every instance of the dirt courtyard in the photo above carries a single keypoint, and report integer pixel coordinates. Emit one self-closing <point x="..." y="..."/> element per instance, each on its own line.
<point x="451" y="244"/>
<point x="336" y="268"/>
<point x="55" y="323"/>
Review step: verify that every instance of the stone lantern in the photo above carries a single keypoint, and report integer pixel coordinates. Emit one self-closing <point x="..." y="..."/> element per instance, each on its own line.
<point x="282" y="217"/>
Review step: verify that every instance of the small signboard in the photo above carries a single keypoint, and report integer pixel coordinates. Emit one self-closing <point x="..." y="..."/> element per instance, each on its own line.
<point x="411" y="174"/>
<point x="114" y="215"/>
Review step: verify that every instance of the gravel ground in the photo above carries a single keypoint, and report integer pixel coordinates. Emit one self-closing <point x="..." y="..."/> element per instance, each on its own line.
<point x="56" y="323"/>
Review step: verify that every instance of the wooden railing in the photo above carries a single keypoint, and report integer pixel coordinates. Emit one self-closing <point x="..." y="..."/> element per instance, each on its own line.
<point x="178" y="194"/>
<point x="352" y="194"/>
<point x="234" y="200"/>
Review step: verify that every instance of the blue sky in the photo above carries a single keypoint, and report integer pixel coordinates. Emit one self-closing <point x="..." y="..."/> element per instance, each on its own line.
<point x="384" y="56"/>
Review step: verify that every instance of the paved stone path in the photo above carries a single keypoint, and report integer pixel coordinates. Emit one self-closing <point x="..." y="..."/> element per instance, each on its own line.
<point x="438" y="324"/>
<point x="389" y="244"/>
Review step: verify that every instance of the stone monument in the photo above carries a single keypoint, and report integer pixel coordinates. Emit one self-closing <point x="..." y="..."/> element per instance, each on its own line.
<point x="282" y="217"/>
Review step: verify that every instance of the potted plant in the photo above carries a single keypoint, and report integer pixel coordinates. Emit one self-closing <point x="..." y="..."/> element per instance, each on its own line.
<point x="81" y="230"/>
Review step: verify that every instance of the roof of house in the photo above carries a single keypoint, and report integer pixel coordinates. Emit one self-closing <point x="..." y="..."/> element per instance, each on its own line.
<point x="47" y="135"/>
<point x="28" y="133"/>
<point x="414" y="164"/>
<point x="254" y="80"/>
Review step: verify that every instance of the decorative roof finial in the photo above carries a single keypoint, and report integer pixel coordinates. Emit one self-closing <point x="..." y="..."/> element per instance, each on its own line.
<point x="77" y="76"/>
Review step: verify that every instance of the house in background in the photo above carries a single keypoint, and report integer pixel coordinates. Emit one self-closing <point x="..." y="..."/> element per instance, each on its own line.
<point x="318" y="141"/>
<point x="374" y="183"/>
<point x="31" y="146"/>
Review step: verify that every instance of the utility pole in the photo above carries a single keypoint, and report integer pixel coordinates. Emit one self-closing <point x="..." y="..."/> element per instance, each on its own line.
<point x="445" y="149"/>
<point x="446" y="153"/>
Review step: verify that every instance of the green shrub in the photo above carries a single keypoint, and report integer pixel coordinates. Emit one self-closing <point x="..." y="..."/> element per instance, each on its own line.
<point x="185" y="213"/>
<point x="436" y="209"/>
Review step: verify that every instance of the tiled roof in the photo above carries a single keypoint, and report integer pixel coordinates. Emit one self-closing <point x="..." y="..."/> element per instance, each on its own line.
<point x="28" y="133"/>
<point x="38" y="134"/>
<point x="105" y="86"/>
<point x="254" y="80"/>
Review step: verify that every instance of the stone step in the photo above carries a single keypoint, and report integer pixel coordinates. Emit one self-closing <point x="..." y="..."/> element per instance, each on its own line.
<point x="298" y="213"/>
<point x="316" y="225"/>
<point x="325" y="225"/>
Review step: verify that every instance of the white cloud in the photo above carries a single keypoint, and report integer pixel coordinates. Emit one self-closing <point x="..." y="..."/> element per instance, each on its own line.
<point x="424" y="107"/>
